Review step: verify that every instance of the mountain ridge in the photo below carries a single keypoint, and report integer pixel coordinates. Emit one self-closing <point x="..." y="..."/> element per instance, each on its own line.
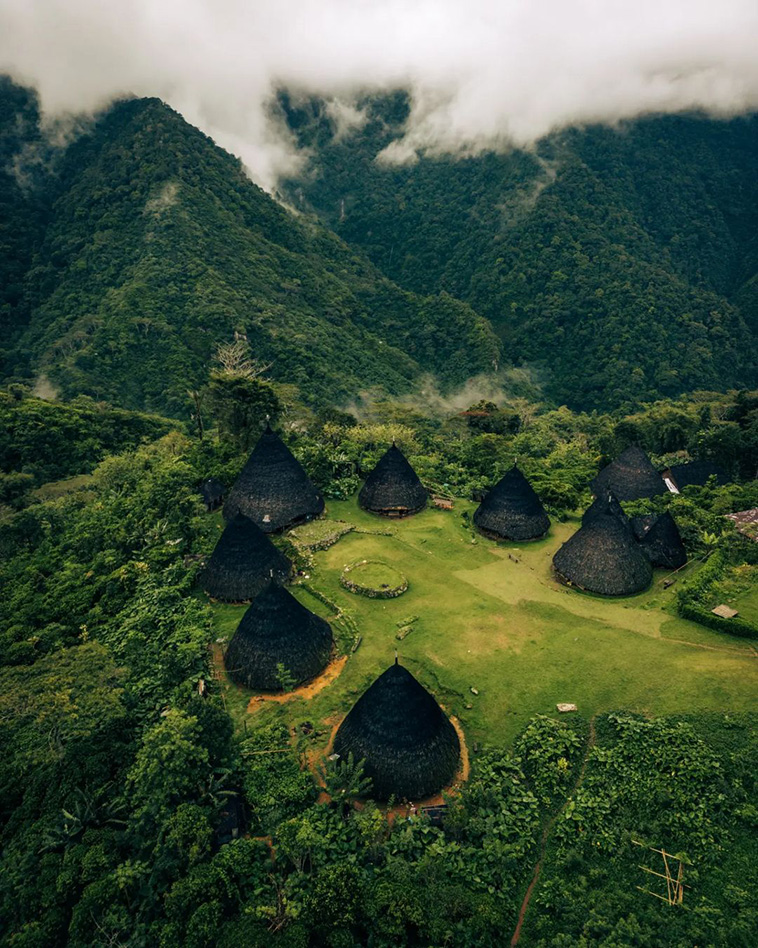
<point x="159" y="247"/>
<point x="642" y="235"/>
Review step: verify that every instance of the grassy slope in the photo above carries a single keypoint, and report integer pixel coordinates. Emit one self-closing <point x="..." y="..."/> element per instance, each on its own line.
<point x="508" y="629"/>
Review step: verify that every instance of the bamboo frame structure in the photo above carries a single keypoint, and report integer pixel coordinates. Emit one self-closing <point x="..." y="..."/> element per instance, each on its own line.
<point x="674" y="885"/>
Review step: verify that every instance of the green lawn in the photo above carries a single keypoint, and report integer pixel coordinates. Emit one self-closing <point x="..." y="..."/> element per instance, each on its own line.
<point x="747" y="605"/>
<point x="505" y="627"/>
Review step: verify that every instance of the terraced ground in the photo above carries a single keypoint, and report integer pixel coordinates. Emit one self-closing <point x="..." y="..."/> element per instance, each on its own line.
<point x="492" y="617"/>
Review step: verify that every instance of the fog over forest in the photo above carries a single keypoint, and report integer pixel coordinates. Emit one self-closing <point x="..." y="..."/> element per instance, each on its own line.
<point x="483" y="74"/>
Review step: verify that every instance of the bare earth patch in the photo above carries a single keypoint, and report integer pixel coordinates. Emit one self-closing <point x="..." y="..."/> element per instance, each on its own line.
<point x="332" y="671"/>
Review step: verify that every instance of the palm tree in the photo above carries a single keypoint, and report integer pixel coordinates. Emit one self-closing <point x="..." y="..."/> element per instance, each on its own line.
<point x="344" y="780"/>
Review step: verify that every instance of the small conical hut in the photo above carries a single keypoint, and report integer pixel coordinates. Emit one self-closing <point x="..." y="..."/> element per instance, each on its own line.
<point x="277" y="630"/>
<point x="605" y="503"/>
<point x="604" y="558"/>
<point x="273" y="490"/>
<point x="242" y="563"/>
<point x="410" y="747"/>
<point x="393" y="488"/>
<point x="512" y="510"/>
<point x="630" y="477"/>
<point x="660" y="540"/>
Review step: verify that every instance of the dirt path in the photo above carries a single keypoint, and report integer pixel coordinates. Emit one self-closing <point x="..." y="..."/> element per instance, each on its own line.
<point x="747" y="651"/>
<point x="331" y="672"/>
<point x="546" y="835"/>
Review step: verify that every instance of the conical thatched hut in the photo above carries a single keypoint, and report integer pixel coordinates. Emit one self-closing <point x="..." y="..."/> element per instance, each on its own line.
<point x="512" y="510"/>
<point x="242" y="563"/>
<point x="410" y="747"/>
<point x="660" y="540"/>
<point x="630" y="477"/>
<point x="393" y="488"/>
<point x="605" y="503"/>
<point x="273" y="490"/>
<point x="277" y="630"/>
<point x="603" y="557"/>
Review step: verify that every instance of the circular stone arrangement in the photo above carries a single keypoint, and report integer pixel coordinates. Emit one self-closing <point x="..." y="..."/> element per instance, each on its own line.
<point x="374" y="579"/>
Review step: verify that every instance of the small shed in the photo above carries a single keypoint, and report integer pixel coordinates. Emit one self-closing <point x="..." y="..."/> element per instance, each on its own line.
<point x="435" y="814"/>
<point x="726" y="612"/>
<point x="442" y="503"/>
<point x="212" y="492"/>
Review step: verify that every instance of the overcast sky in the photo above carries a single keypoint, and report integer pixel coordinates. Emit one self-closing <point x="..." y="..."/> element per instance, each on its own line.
<point x="483" y="73"/>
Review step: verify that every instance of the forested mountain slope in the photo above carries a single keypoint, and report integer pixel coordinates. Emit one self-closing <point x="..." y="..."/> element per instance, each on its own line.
<point x="623" y="261"/>
<point x="20" y="210"/>
<point x="157" y="248"/>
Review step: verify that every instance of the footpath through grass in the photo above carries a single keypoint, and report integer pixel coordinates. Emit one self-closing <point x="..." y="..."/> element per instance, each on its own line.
<point x="492" y="617"/>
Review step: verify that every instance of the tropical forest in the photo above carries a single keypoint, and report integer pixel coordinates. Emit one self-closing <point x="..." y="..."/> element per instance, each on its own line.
<point x="378" y="550"/>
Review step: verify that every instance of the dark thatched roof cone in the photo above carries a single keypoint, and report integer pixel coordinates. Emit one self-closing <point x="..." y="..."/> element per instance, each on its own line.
<point x="630" y="477"/>
<point x="512" y="510"/>
<point x="242" y="563"/>
<point x="273" y="489"/>
<point x="603" y="557"/>
<point x="605" y="503"/>
<point x="393" y="487"/>
<point x="276" y="629"/>
<point x="660" y="540"/>
<point x="410" y="747"/>
<point x="696" y="473"/>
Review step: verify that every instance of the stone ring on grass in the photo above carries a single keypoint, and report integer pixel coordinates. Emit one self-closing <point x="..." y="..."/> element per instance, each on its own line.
<point x="374" y="579"/>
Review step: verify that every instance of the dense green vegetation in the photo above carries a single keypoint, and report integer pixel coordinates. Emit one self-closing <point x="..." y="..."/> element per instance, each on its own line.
<point x="44" y="441"/>
<point x="157" y="248"/>
<point x="20" y="207"/>
<point x="115" y="769"/>
<point x="619" y="262"/>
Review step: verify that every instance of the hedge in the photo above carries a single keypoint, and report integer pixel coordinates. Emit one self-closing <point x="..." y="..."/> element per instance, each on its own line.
<point x="735" y="626"/>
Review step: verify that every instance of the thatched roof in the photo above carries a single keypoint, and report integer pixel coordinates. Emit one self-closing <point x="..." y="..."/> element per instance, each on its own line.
<point x="603" y="557"/>
<point x="410" y="747"/>
<point x="605" y="503"/>
<point x="660" y="540"/>
<point x="630" y="477"/>
<point x="512" y="510"/>
<point x="273" y="489"/>
<point x="393" y="486"/>
<point x="242" y="563"/>
<point x="696" y="473"/>
<point x="277" y="629"/>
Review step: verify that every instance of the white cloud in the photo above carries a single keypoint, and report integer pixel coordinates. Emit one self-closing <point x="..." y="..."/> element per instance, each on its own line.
<point x="481" y="72"/>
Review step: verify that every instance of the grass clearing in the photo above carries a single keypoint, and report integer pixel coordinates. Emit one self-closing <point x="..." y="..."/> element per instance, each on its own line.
<point x="493" y="617"/>
<point x="55" y="489"/>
